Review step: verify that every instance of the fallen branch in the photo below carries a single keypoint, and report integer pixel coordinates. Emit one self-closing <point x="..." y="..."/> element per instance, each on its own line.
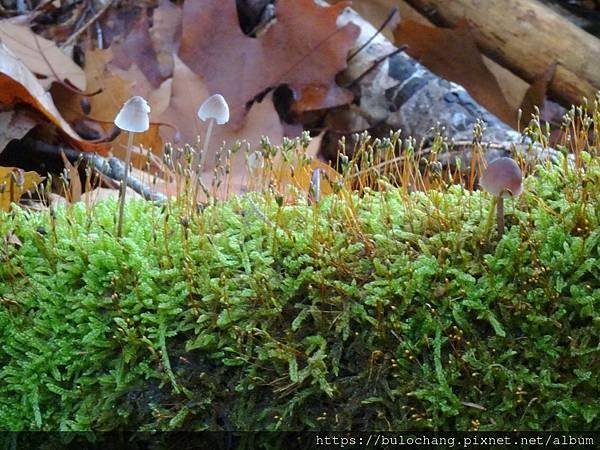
<point x="112" y="168"/>
<point x="398" y="93"/>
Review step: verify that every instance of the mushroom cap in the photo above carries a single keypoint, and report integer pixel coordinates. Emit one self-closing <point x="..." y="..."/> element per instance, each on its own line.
<point x="214" y="107"/>
<point x="502" y="176"/>
<point x="134" y="115"/>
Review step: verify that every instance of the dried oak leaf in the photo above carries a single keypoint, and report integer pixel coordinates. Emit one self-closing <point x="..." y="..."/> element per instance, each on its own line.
<point x="41" y="56"/>
<point x="19" y="86"/>
<point x="14" y="125"/>
<point x="115" y="86"/>
<point x="188" y="92"/>
<point x="303" y="48"/>
<point x="136" y="48"/>
<point x="166" y="35"/>
<point x="14" y="183"/>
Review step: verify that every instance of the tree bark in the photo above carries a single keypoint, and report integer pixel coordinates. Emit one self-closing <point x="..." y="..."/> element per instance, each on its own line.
<point x="527" y="37"/>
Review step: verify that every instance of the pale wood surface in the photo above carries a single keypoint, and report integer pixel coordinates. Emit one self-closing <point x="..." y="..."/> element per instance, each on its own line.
<point x="527" y="37"/>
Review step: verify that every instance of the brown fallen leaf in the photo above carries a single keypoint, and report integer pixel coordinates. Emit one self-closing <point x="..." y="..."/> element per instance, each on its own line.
<point x="166" y="35"/>
<point x="103" y="106"/>
<point x="117" y="22"/>
<point x="295" y="173"/>
<point x="137" y="49"/>
<point x="536" y="95"/>
<point x="188" y="93"/>
<point x="75" y="188"/>
<point x="376" y="11"/>
<point x="452" y="54"/>
<point x="116" y="86"/>
<point x="14" y="182"/>
<point x="158" y="99"/>
<point x="14" y="124"/>
<point x="303" y="48"/>
<point x="41" y="56"/>
<point x="19" y="85"/>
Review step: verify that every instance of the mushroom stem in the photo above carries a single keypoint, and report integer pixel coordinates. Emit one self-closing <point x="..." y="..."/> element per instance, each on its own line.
<point x="211" y="123"/>
<point x="124" y="185"/>
<point x="500" y="215"/>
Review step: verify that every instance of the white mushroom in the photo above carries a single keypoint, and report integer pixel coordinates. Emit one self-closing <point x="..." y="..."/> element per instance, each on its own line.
<point x="502" y="179"/>
<point x="133" y="118"/>
<point x="213" y="109"/>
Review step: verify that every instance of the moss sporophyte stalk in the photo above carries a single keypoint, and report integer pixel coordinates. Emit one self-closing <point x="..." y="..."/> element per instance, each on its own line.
<point x="373" y="310"/>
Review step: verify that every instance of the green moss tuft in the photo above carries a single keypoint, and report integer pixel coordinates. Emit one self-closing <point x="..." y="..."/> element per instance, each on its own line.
<point x="385" y="312"/>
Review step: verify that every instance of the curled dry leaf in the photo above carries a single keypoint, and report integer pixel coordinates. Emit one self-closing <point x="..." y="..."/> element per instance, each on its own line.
<point x="536" y="95"/>
<point x="116" y="86"/>
<point x="303" y="48"/>
<point x="19" y="85"/>
<point x="75" y="188"/>
<point x="41" y="56"/>
<point x="14" y="125"/>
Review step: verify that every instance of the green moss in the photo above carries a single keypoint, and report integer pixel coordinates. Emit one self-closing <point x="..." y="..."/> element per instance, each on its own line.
<point x="386" y="312"/>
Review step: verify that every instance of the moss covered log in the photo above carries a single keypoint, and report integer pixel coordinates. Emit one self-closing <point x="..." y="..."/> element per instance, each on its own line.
<point x="384" y="312"/>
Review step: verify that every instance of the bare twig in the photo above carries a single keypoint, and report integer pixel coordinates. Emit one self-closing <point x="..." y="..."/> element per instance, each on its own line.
<point x="385" y="23"/>
<point x="112" y="168"/>
<point x="375" y="64"/>
<point x="78" y="33"/>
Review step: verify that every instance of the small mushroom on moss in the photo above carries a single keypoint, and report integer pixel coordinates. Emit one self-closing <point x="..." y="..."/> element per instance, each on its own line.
<point x="133" y="118"/>
<point x="214" y="109"/>
<point x="502" y="179"/>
